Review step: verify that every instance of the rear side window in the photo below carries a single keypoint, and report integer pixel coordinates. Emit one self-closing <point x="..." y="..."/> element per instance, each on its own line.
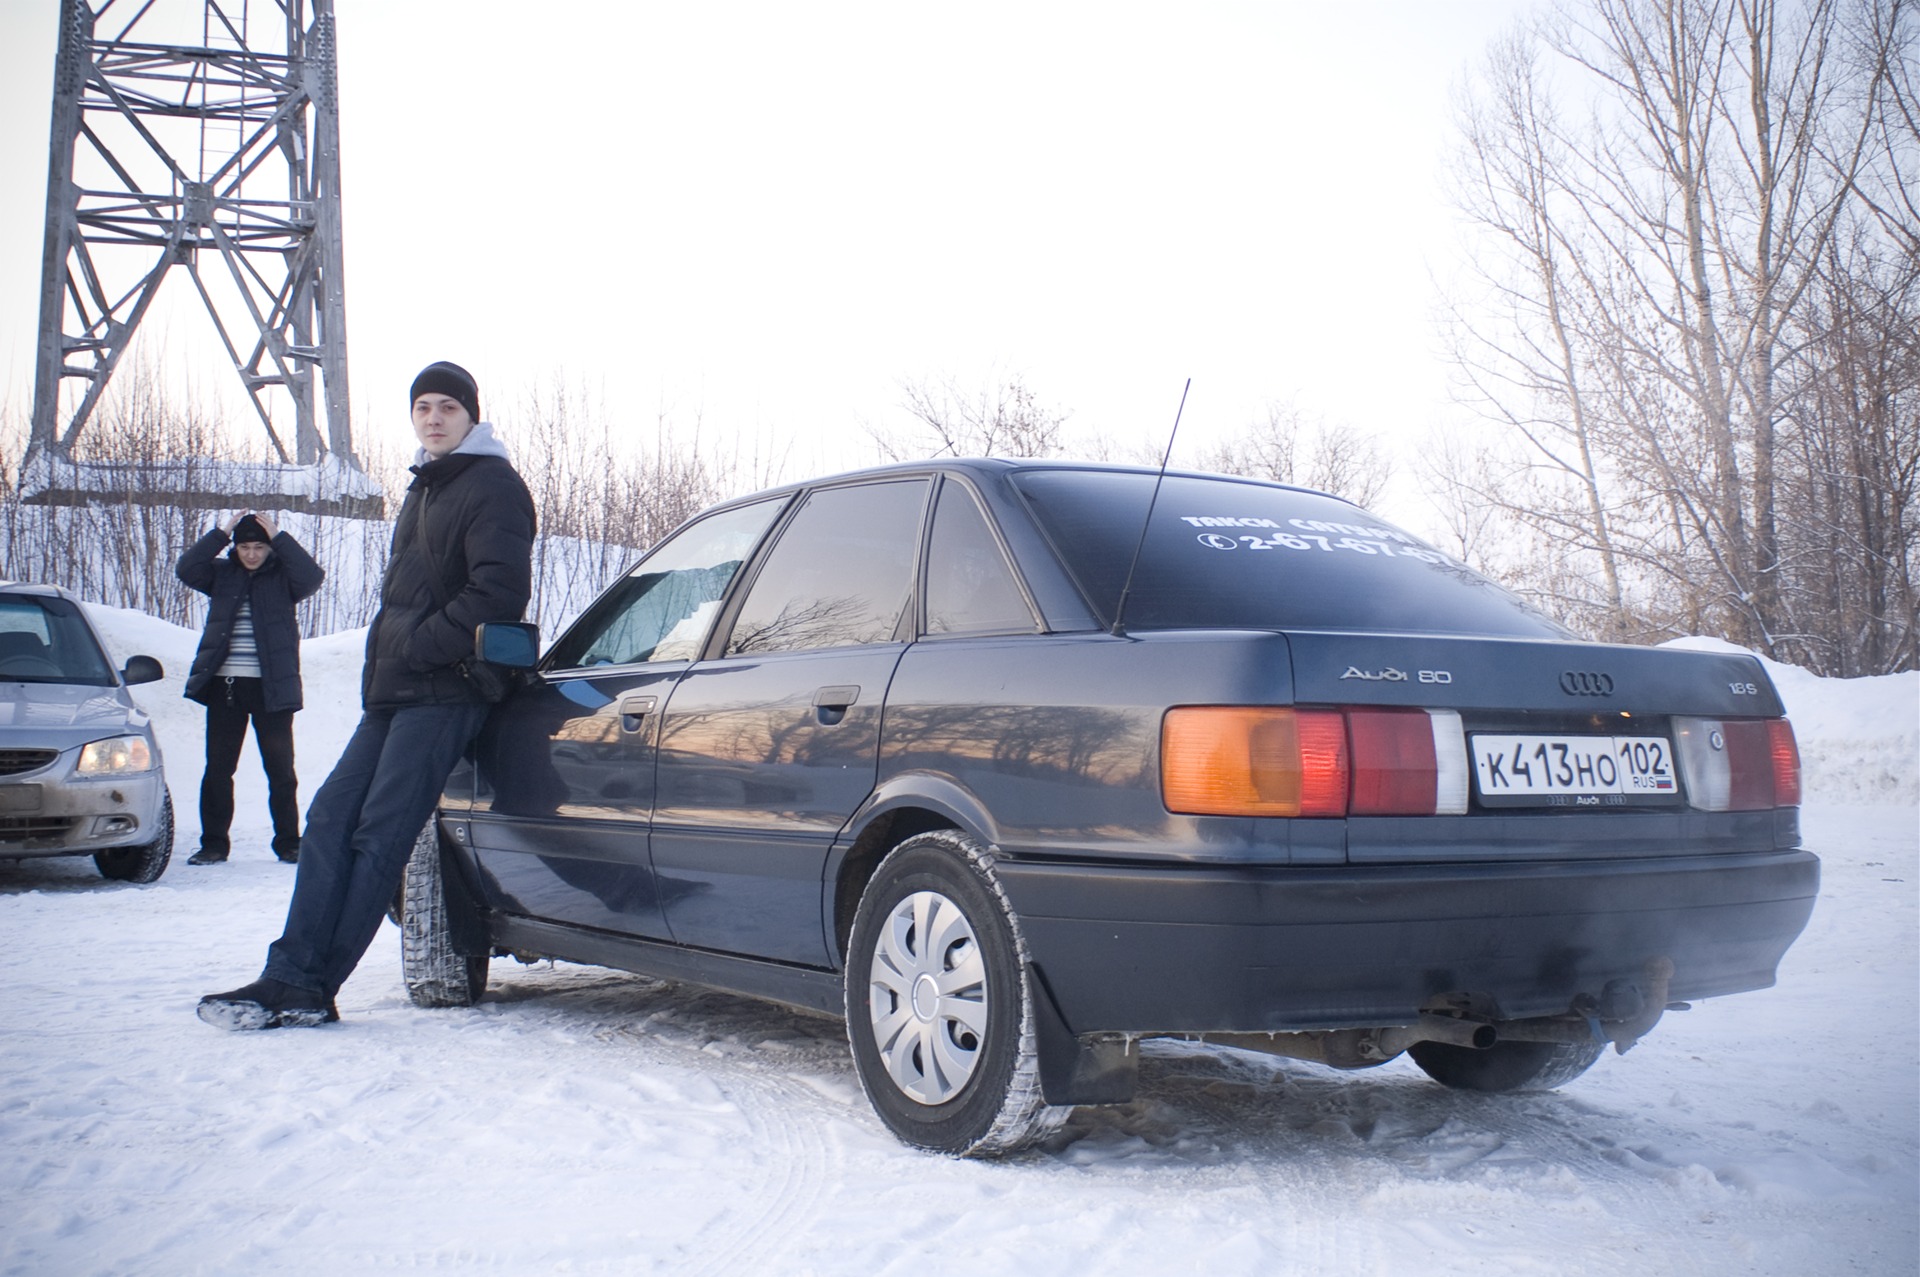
<point x="839" y="576"/>
<point x="970" y="587"/>
<point x="46" y="640"/>
<point x="1235" y="555"/>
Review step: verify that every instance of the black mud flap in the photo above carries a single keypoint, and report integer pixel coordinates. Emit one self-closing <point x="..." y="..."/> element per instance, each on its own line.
<point x="1073" y="1070"/>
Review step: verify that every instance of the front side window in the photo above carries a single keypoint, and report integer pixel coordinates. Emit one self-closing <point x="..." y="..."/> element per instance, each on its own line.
<point x="662" y="610"/>
<point x="840" y="574"/>
<point x="46" y="640"/>
<point x="970" y="587"/>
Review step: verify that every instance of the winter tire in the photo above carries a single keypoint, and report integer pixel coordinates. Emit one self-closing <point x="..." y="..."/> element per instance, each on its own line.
<point x="1506" y="1066"/>
<point x="437" y="974"/>
<point x="939" y="1014"/>
<point x="146" y="862"/>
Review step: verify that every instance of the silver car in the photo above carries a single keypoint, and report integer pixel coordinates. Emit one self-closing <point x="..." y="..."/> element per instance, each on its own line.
<point x="80" y="769"/>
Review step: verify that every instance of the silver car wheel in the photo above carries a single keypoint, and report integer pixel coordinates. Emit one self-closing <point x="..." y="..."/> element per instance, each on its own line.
<point x="928" y="997"/>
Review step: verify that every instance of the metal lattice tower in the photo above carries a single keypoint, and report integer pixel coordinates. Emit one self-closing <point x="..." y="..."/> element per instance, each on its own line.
<point x="221" y="157"/>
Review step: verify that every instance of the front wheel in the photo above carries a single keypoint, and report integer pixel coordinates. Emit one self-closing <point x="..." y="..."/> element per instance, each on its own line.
<point x="437" y="974"/>
<point x="939" y="1014"/>
<point x="1506" y="1066"/>
<point x="146" y="862"/>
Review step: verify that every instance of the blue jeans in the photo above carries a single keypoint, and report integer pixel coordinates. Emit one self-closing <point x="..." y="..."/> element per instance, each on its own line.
<point x="360" y="831"/>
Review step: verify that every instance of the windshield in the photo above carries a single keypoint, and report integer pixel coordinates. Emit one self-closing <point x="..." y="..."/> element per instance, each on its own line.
<point x="46" y="640"/>
<point x="1236" y="554"/>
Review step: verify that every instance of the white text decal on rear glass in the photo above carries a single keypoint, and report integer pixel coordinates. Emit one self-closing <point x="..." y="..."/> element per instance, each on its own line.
<point x="1312" y="534"/>
<point x="1304" y="525"/>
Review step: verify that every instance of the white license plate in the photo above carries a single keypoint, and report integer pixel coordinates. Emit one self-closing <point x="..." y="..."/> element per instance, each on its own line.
<point x="1577" y="770"/>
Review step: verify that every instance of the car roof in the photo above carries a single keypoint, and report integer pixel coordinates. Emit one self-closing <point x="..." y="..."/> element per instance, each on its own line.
<point x="999" y="467"/>
<point x="37" y="590"/>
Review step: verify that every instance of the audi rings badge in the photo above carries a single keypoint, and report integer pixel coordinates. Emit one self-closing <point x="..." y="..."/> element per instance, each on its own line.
<point x="1586" y="683"/>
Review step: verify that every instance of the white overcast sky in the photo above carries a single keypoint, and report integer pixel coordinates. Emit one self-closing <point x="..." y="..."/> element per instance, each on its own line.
<point x="767" y="216"/>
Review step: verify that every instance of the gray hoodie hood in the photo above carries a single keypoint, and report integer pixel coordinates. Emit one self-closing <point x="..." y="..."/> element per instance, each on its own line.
<point x="480" y="442"/>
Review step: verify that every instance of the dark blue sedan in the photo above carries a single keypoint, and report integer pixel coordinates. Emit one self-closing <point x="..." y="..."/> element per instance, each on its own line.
<point x="1014" y="763"/>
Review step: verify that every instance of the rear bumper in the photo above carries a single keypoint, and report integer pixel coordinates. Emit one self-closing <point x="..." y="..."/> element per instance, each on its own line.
<point x="1177" y="949"/>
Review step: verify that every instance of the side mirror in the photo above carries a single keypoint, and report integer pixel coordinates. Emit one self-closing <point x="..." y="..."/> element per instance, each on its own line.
<point x="514" y="644"/>
<point x="142" y="669"/>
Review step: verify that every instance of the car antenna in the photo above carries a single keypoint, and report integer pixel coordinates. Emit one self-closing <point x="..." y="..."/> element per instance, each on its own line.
<point x="1120" y="610"/>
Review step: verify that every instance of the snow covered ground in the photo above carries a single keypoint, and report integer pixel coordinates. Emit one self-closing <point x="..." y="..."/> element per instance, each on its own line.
<point x="586" y="1121"/>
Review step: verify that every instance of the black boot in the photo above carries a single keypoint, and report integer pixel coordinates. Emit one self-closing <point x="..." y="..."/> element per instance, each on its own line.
<point x="267" y="1004"/>
<point x="208" y="856"/>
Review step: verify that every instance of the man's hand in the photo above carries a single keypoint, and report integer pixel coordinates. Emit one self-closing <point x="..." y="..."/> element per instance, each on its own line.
<point x="234" y="522"/>
<point x="266" y="521"/>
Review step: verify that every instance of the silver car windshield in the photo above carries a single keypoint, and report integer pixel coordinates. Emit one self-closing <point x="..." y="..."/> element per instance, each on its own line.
<point x="46" y="640"/>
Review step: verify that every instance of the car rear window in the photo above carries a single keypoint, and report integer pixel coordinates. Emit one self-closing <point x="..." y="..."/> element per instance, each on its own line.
<point x="1232" y="554"/>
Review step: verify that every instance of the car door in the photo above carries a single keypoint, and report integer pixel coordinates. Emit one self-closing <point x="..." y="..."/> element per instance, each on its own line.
<point x="566" y="767"/>
<point x="767" y="749"/>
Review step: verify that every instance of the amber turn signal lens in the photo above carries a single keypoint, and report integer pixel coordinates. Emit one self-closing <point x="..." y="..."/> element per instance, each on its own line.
<point x="1229" y="760"/>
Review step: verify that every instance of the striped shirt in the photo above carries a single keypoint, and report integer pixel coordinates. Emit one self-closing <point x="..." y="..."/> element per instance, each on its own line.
<point x="243" y="657"/>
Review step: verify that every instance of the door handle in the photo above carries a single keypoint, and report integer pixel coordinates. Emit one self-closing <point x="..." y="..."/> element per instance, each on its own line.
<point x="830" y="703"/>
<point x="634" y="711"/>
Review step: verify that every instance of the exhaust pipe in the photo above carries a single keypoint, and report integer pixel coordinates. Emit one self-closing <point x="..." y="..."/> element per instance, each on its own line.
<point x="1362" y="1048"/>
<point x="1439" y="1028"/>
<point x="1624" y="1013"/>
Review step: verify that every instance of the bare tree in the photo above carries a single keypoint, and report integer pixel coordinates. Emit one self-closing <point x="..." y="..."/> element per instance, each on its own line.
<point x="1652" y="266"/>
<point x="601" y="496"/>
<point x="1287" y="447"/>
<point x="1002" y="419"/>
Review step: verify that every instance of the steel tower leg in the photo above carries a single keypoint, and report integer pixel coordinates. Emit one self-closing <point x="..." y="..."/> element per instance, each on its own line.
<point x="128" y="199"/>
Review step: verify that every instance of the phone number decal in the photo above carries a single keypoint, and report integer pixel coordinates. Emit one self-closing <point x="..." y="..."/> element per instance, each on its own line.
<point x="1359" y="545"/>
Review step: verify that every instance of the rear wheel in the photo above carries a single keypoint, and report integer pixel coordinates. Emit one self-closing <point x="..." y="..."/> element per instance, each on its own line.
<point x="147" y="861"/>
<point x="437" y="974"/>
<point x="939" y="1015"/>
<point x="1506" y="1066"/>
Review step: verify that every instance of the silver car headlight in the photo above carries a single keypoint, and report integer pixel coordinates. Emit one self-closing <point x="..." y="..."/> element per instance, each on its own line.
<point x="119" y="756"/>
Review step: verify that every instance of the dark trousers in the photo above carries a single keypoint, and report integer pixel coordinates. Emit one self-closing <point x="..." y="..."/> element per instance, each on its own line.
<point x="360" y="831"/>
<point x="238" y="702"/>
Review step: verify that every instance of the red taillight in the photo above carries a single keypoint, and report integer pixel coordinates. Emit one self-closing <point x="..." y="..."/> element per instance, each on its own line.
<point x="1739" y="764"/>
<point x="1237" y="760"/>
<point x="1749" y="764"/>
<point x="1786" y="763"/>
<point x="1324" y="763"/>
<point x="1393" y="765"/>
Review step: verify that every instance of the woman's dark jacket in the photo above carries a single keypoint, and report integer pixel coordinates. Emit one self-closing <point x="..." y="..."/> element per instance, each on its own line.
<point x="288" y="575"/>
<point x="462" y="554"/>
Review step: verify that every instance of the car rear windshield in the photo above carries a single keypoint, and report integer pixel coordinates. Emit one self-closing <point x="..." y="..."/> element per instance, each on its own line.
<point x="1232" y="554"/>
<point x="46" y="640"/>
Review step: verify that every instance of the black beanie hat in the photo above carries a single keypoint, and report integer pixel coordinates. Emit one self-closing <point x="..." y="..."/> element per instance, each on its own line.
<point x="450" y="380"/>
<point x="249" y="529"/>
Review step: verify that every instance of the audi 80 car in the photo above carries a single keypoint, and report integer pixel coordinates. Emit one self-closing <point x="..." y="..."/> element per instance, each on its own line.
<point x="80" y="769"/>
<point x="1014" y="764"/>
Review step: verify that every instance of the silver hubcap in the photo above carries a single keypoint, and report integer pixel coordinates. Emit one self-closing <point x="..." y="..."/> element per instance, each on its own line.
<point x="928" y="995"/>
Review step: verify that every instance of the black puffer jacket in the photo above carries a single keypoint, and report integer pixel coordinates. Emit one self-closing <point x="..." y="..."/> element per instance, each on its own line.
<point x="288" y="575"/>
<point x="469" y="521"/>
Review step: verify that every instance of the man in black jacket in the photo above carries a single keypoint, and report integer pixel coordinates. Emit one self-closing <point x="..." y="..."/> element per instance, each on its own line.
<point x="247" y="668"/>
<point x="462" y="554"/>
